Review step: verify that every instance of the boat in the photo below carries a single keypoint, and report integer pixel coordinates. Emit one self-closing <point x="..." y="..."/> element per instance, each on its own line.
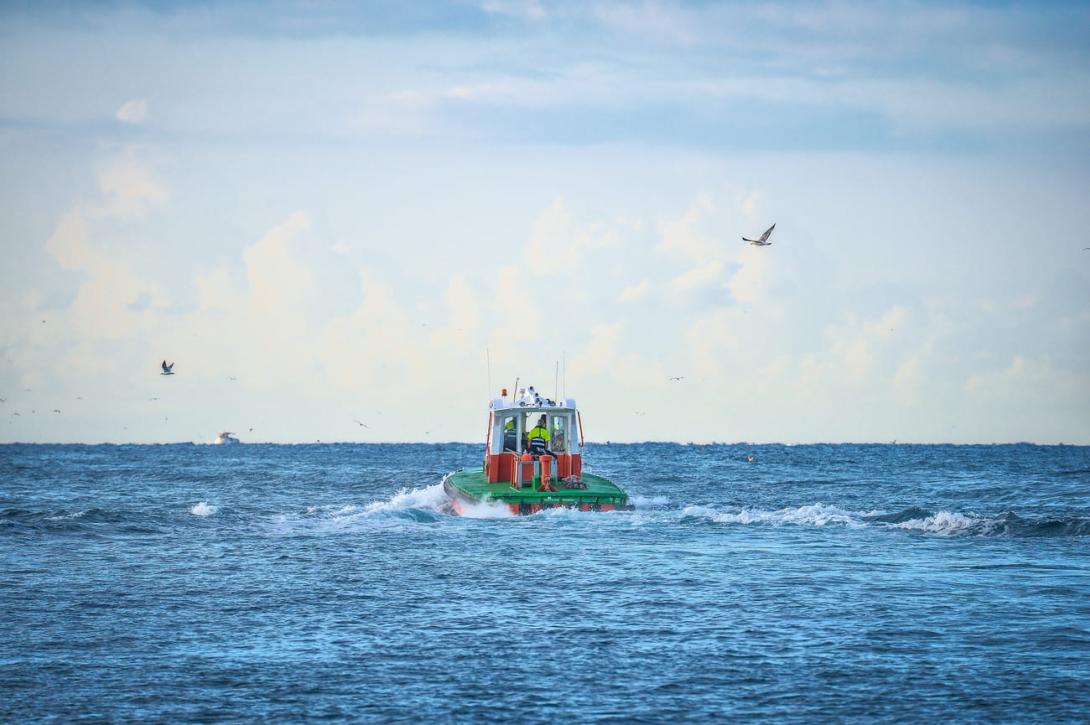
<point x="533" y="460"/>
<point x="226" y="439"/>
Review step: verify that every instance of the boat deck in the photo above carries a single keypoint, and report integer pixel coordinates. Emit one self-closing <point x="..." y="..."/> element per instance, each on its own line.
<point x="600" y="491"/>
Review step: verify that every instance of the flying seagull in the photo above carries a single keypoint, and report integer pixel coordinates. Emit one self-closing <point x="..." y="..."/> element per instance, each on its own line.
<point x="167" y="369"/>
<point x="677" y="378"/>
<point x="763" y="241"/>
<point x="360" y="423"/>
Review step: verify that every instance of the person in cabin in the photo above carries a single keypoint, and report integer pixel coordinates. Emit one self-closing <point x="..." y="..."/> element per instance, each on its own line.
<point x="539" y="437"/>
<point x="510" y="436"/>
<point x="558" y="442"/>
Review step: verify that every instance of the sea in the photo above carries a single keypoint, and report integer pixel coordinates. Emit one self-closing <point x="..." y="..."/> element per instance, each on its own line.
<point x="777" y="583"/>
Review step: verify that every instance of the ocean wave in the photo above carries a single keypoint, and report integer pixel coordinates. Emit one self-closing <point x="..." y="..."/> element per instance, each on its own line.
<point x="645" y="502"/>
<point x="915" y="519"/>
<point x="94" y="520"/>
<point x="418" y="505"/>
<point x="817" y="514"/>
<point x="950" y="523"/>
<point x="429" y="498"/>
<point x="203" y="508"/>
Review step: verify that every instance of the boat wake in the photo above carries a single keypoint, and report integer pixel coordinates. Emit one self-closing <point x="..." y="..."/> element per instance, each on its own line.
<point x="915" y="519"/>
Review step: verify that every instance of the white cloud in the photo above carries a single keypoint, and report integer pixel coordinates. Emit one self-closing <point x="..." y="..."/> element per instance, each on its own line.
<point x="681" y="237"/>
<point x="888" y="324"/>
<point x="129" y="186"/>
<point x="698" y="277"/>
<point x="751" y="279"/>
<point x="599" y="354"/>
<point x="134" y="111"/>
<point x="748" y="203"/>
<point x="558" y="243"/>
<point x="634" y="292"/>
<point x="531" y="10"/>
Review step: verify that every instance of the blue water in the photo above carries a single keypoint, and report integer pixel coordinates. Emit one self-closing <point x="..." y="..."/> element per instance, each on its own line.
<point x="830" y="582"/>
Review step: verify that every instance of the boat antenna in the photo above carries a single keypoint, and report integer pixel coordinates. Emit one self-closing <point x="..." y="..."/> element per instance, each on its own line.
<point x="564" y="357"/>
<point x="556" y="380"/>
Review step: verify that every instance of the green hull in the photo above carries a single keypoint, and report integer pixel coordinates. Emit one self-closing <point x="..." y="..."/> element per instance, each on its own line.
<point x="471" y="487"/>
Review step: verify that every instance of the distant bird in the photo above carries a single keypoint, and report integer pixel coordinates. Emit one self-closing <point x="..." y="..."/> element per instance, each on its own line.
<point x="167" y="369"/>
<point x="18" y="414"/>
<point x="79" y="397"/>
<point x="152" y="398"/>
<point x="750" y="458"/>
<point x="231" y="377"/>
<point x="641" y="412"/>
<point x="55" y="410"/>
<point x="3" y="400"/>
<point x="251" y="430"/>
<point x="763" y="241"/>
<point x="677" y="378"/>
<point x="360" y="423"/>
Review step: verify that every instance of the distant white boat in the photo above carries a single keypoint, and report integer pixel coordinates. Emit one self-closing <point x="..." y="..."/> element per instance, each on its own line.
<point x="226" y="439"/>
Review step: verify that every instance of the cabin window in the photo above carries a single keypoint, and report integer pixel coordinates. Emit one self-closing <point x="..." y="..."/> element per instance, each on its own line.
<point x="537" y="433"/>
<point x="560" y="434"/>
<point x="510" y="433"/>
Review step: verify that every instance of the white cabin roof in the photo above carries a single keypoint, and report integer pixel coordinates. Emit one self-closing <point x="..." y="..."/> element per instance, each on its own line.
<point x="508" y="405"/>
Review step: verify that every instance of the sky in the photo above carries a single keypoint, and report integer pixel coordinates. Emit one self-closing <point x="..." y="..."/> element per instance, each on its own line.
<point x="332" y="215"/>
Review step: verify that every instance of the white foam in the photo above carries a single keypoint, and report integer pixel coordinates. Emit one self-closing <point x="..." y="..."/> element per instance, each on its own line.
<point x="941" y="523"/>
<point x="648" y="501"/>
<point x="430" y="498"/>
<point x="948" y="523"/>
<point x="486" y="510"/>
<point x="203" y="508"/>
<point x="817" y="514"/>
<point x="61" y="517"/>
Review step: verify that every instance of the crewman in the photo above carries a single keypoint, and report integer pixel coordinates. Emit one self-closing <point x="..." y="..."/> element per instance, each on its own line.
<point x="539" y="437"/>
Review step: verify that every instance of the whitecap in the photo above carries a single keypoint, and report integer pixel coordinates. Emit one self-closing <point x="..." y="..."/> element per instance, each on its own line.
<point x="648" y="501"/>
<point x="817" y="514"/>
<point x="949" y="523"/>
<point x="429" y="498"/>
<point x="203" y="508"/>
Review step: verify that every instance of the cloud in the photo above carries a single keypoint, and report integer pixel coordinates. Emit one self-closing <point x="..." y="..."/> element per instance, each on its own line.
<point x="634" y="292"/>
<point x="748" y="203"/>
<point x="531" y="10"/>
<point x="129" y="186"/>
<point x="113" y="301"/>
<point x="557" y="243"/>
<point x="134" y="111"/>
<point x="751" y="279"/>
<point x="888" y="324"/>
<point x="681" y="237"/>
<point x="700" y="276"/>
<point x="599" y="354"/>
